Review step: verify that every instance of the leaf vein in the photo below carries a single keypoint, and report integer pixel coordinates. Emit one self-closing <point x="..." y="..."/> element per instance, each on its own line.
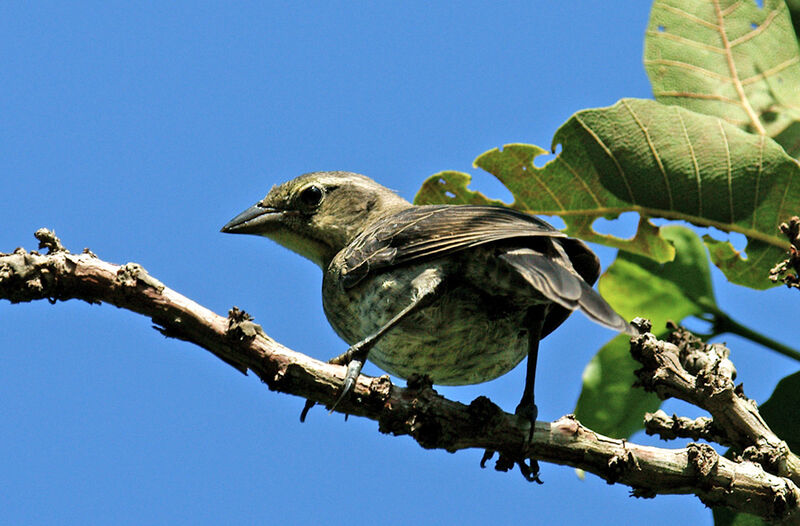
<point x="690" y="95"/>
<point x="734" y="73"/>
<point x="694" y="163"/>
<point x="761" y="27"/>
<point x="579" y="178"/>
<point x="783" y="200"/>
<point x="668" y="214"/>
<point x="654" y="151"/>
<point x="756" y="261"/>
<point x="761" y="144"/>
<point x="729" y="170"/>
<point x="771" y="71"/>
<point x="534" y="173"/>
<point x="694" y="68"/>
<point x="731" y="8"/>
<point x="687" y="16"/>
<point x="687" y="41"/>
<point x="610" y="154"/>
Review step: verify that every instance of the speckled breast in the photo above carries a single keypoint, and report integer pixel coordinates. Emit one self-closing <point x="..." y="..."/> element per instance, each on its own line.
<point x="463" y="337"/>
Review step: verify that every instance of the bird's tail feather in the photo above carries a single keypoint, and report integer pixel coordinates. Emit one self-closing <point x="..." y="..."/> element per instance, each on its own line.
<point x="558" y="284"/>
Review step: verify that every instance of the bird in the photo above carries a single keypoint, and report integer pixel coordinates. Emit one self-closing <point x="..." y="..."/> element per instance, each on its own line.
<point x="460" y="293"/>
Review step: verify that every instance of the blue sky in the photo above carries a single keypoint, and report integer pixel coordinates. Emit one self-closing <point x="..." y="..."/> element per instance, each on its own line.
<point x="139" y="129"/>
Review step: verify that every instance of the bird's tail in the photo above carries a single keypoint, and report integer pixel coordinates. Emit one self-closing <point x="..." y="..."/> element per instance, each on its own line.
<point x="558" y="284"/>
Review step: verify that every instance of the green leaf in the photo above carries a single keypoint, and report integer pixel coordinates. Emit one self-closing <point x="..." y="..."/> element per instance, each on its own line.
<point x="739" y="270"/>
<point x="451" y="187"/>
<point x="728" y="517"/>
<point x="782" y="411"/>
<point x="607" y="403"/>
<point x="638" y="286"/>
<point x="659" y="161"/>
<point x="538" y="191"/>
<point x="794" y="14"/>
<point x="730" y="59"/>
<point x="782" y="414"/>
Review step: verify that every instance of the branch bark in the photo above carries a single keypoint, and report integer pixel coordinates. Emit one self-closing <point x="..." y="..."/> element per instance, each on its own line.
<point x="754" y="484"/>
<point x="783" y="270"/>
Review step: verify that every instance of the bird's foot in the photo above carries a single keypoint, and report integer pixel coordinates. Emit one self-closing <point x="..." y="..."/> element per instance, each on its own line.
<point x="354" y="365"/>
<point x="528" y="467"/>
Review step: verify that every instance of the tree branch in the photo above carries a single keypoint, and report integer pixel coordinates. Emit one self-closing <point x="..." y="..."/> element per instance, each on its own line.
<point x="433" y="421"/>
<point x="690" y="370"/>
<point x="782" y="271"/>
<point x="671" y="427"/>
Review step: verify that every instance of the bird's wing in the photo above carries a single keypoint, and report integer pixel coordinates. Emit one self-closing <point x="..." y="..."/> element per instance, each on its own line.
<point x="433" y="231"/>
<point x="563" y="273"/>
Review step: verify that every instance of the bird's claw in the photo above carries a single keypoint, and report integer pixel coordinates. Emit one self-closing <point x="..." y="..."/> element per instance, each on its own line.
<point x="353" y="370"/>
<point x="505" y="462"/>
<point x="306" y="409"/>
<point x="529" y="467"/>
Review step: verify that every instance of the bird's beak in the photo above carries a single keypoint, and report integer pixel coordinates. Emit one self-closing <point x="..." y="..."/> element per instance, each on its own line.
<point x="257" y="219"/>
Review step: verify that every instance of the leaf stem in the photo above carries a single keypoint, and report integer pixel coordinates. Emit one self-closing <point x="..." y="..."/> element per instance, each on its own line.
<point x="723" y="323"/>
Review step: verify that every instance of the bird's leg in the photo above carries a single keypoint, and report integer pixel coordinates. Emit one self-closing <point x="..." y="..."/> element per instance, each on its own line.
<point x="426" y="288"/>
<point x="534" y="321"/>
<point x="526" y="408"/>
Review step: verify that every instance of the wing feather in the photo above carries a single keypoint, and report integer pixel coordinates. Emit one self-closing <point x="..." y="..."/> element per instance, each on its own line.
<point x="432" y="231"/>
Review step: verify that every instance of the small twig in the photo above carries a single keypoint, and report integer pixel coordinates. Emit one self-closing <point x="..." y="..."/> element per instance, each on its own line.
<point x="781" y="271"/>
<point x="672" y="427"/>
<point x="47" y="239"/>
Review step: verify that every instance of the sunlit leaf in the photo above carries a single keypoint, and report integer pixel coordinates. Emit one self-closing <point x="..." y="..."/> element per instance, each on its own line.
<point x="731" y="59"/>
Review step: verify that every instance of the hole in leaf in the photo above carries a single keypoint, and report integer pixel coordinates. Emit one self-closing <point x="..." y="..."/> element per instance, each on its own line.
<point x="556" y="221"/>
<point x="450" y="194"/>
<point x="760" y="4"/>
<point x="753" y="25"/>
<point x="543" y="159"/>
<point x="623" y="227"/>
<point x="491" y="187"/>
<point x="540" y="160"/>
<point x="661" y="29"/>
<point x="739" y="241"/>
<point x="441" y="181"/>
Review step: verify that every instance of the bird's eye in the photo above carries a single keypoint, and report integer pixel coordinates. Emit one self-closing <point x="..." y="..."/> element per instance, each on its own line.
<point x="311" y="196"/>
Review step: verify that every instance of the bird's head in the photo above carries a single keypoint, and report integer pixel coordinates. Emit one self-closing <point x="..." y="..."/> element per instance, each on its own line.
<point x="317" y="214"/>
